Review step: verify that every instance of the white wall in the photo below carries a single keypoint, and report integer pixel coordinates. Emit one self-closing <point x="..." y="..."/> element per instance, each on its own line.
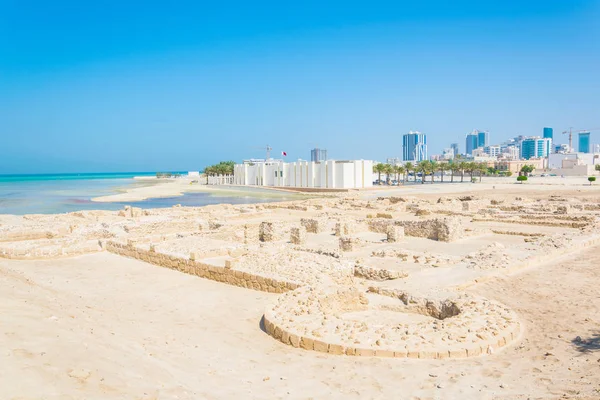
<point x="329" y="174"/>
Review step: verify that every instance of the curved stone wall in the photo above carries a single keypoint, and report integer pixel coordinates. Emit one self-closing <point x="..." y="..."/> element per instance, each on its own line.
<point x="389" y="323"/>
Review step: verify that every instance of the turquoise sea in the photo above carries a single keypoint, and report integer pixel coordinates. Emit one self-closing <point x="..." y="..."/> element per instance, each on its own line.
<point x="61" y="193"/>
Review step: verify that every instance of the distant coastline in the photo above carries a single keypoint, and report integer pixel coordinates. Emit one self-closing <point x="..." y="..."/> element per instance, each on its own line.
<point x="76" y="176"/>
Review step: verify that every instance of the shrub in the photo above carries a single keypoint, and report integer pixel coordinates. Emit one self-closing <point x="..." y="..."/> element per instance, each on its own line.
<point x="521" y="178"/>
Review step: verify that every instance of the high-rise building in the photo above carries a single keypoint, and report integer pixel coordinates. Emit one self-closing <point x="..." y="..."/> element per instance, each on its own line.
<point x="318" y="155"/>
<point x="414" y="146"/>
<point x="548" y="133"/>
<point x="535" y="147"/>
<point x="483" y="138"/>
<point x="492" y="151"/>
<point x="454" y="147"/>
<point x="471" y="142"/>
<point x="584" y="142"/>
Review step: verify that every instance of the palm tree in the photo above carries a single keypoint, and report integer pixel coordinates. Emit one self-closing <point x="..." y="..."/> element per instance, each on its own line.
<point x="399" y="171"/>
<point x="433" y="167"/>
<point x="388" y="170"/>
<point x="409" y="167"/>
<point x="379" y="169"/>
<point x="471" y="167"/>
<point x="423" y="168"/>
<point x="443" y="167"/>
<point x="462" y="166"/>
<point x="482" y="169"/>
<point x="453" y="167"/>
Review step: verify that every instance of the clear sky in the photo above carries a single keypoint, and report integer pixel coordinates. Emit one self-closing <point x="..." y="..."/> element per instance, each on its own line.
<point x="89" y="86"/>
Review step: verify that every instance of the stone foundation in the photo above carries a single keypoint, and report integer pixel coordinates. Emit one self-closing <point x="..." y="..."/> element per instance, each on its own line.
<point x="203" y="270"/>
<point x="468" y="326"/>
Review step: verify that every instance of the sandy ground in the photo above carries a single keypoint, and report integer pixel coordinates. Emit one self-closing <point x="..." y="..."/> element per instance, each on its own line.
<point x="101" y="326"/>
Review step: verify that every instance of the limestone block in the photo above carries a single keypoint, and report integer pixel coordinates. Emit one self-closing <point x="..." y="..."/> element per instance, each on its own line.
<point x="336" y="349"/>
<point x="394" y="233"/>
<point x="379" y="225"/>
<point x="298" y="235"/>
<point x="365" y="352"/>
<point x="384" y="353"/>
<point x="295" y="340"/>
<point x="349" y="244"/>
<point x="306" y="343"/>
<point x="269" y="232"/>
<point x="250" y="234"/>
<point x="312" y="225"/>
<point x="320" y="346"/>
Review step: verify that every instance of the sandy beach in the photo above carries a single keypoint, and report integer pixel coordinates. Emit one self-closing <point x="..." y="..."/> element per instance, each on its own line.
<point x="192" y="303"/>
<point x="164" y="188"/>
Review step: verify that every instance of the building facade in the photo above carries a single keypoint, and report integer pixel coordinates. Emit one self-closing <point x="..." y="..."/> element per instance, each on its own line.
<point x="318" y="155"/>
<point x="535" y="147"/>
<point x="483" y="138"/>
<point x="328" y="174"/>
<point x="548" y="133"/>
<point x="584" y="142"/>
<point x="414" y="146"/>
<point x="492" y="151"/>
<point x="455" y="150"/>
<point x="471" y="142"/>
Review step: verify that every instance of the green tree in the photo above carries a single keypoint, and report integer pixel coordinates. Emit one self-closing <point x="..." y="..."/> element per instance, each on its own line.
<point x="379" y="169"/>
<point x="410" y="167"/>
<point x="521" y="178"/>
<point x="462" y="166"/>
<point x="400" y="170"/>
<point x="597" y="167"/>
<point x="591" y="179"/>
<point x="482" y="168"/>
<point x="434" y="166"/>
<point x="443" y="167"/>
<point x="527" y="169"/>
<point x="388" y="170"/>
<point x="423" y="168"/>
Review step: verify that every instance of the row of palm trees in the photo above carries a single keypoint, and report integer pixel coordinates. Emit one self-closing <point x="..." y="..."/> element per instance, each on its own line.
<point x="426" y="168"/>
<point x="222" y="168"/>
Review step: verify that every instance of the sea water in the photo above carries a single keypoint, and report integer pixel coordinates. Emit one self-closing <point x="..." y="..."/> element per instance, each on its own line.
<point x="61" y="193"/>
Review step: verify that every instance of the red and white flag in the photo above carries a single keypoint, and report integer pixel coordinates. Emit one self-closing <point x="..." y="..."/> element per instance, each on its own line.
<point x="283" y="153"/>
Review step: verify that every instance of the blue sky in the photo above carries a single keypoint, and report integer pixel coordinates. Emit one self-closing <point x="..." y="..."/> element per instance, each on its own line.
<point x="145" y="85"/>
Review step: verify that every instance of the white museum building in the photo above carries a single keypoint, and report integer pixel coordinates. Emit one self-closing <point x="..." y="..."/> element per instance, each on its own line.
<point x="330" y="174"/>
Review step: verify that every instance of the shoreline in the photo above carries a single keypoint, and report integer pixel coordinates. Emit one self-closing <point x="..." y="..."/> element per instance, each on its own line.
<point x="179" y="187"/>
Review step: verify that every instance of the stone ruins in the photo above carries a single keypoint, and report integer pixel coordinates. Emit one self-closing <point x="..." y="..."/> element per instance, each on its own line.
<point x="386" y="277"/>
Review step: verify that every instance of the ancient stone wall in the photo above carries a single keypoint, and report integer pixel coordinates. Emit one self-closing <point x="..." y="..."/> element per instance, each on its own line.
<point x="203" y="270"/>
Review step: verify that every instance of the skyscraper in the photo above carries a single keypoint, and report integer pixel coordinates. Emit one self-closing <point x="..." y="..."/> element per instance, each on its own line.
<point x="318" y="155"/>
<point x="548" y="133"/>
<point x="483" y="138"/>
<point x="414" y="146"/>
<point x="535" y="147"/>
<point x="454" y="147"/>
<point x="471" y="142"/>
<point x="584" y="142"/>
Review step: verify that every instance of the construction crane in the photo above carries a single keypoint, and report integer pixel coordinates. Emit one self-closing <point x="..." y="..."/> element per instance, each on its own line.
<point x="570" y="132"/>
<point x="268" y="149"/>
